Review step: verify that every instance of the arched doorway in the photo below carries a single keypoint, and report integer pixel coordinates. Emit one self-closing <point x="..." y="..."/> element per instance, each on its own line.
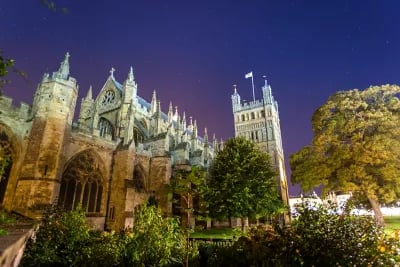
<point x="82" y="183"/>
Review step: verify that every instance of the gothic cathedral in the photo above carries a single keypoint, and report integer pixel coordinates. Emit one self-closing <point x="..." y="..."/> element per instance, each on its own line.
<point x="121" y="152"/>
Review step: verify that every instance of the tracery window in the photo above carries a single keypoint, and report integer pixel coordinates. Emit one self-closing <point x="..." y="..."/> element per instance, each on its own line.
<point x="81" y="184"/>
<point x="108" y="98"/>
<point x="105" y="127"/>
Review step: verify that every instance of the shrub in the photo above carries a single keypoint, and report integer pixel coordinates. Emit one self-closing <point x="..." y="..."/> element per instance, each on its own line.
<point x="104" y="249"/>
<point x="156" y="240"/>
<point x="59" y="240"/>
<point x="318" y="237"/>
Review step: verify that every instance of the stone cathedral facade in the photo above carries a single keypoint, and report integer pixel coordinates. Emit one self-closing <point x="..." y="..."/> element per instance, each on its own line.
<point x="258" y="121"/>
<point x="121" y="151"/>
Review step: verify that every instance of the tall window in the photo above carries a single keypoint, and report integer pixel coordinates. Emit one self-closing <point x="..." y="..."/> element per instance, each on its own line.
<point x="81" y="184"/>
<point x="105" y="128"/>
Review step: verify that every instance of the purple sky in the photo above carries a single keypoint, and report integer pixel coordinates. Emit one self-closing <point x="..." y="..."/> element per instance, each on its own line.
<point x="192" y="52"/>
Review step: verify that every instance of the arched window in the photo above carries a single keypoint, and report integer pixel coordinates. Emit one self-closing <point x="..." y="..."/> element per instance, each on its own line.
<point x="139" y="179"/>
<point x="81" y="184"/>
<point x="137" y="136"/>
<point x="106" y="128"/>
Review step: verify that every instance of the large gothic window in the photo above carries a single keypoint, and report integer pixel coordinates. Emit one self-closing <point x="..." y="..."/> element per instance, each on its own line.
<point x="137" y="136"/>
<point x="82" y="184"/>
<point x="139" y="179"/>
<point x="105" y="128"/>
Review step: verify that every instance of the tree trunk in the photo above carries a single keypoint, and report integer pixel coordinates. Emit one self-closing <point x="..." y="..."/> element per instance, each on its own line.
<point x="230" y="221"/>
<point x="377" y="211"/>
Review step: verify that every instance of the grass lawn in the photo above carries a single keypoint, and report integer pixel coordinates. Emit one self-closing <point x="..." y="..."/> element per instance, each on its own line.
<point x="392" y="223"/>
<point x="223" y="233"/>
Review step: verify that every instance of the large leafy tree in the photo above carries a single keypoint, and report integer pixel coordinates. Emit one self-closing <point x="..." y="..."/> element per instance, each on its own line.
<point x="241" y="182"/>
<point x="188" y="185"/>
<point x="356" y="146"/>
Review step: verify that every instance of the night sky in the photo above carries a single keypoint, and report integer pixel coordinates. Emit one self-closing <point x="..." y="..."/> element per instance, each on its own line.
<point x="192" y="52"/>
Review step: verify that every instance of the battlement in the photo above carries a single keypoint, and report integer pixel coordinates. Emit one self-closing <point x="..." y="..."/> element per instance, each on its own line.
<point x="7" y="108"/>
<point x="250" y="105"/>
<point x="56" y="76"/>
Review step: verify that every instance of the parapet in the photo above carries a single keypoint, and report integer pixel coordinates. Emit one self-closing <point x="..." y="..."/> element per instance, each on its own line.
<point x="7" y="108"/>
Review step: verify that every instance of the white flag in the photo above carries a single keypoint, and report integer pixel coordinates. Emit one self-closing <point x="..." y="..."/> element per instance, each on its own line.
<point x="249" y="75"/>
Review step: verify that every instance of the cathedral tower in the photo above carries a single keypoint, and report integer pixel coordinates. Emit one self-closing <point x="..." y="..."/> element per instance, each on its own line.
<point x="258" y="121"/>
<point x="53" y="112"/>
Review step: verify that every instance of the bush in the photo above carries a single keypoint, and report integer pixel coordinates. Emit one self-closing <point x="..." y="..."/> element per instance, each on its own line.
<point x="318" y="237"/>
<point x="59" y="240"/>
<point x="105" y="249"/>
<point x="156" y="240"/>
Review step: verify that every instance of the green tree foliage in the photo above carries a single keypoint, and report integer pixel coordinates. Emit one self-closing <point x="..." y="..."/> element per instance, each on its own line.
<point x="241" y="182"/>
<point x="356" y="146"/>
<point x="189" y="187"/>
<point x="5" y="65"/>
<point x="155" y="240"/>
<point x="59" y="241"/>
<point x="65" y="239"/>
<point x="54" y="7"/>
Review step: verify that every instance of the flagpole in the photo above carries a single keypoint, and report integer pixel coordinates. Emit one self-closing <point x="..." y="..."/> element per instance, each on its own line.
<point x="252" y="84"/>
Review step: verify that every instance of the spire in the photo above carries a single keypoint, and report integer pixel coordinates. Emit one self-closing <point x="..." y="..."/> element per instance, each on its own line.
<point x="170" y="112"/>
<point x="234" y="90"/>
<point x="184" y="121"/>
<point x="205" y="137"/>
<point x="89" y="93"/>
<point x="176" y="115"/>
<point x="159" y="107"/>
<point x="64" y="67"/>
<point x="190" y="124"/>
<point x="153" y="107"/>
<point x="130" y="75"/>
<point x="214" y="142"/>
<point x="194" y="134"/>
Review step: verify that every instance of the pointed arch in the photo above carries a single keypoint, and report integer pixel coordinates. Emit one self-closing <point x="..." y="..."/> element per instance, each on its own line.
<point x="106" y="128"/>
<point x="83" y="182"/>
<point x="139" y="179"/>
<point x="10" y="151"/>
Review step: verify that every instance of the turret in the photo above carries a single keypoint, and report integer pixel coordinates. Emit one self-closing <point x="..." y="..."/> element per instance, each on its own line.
<point x="129" y="88"/>
<point x="57" y="94"/>
<point x="42" y="165"/>
<point x="156" y="120"/>
<point x="267" y="93"/>
<point x="86" y="110"/>
<point x="235" y="99"/>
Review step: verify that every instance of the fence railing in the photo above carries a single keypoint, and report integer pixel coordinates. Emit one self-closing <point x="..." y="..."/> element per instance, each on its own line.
<point x="220" y="242"/>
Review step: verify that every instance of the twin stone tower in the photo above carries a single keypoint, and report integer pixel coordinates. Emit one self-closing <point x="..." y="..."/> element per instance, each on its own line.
<point x="122" y="151"/>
